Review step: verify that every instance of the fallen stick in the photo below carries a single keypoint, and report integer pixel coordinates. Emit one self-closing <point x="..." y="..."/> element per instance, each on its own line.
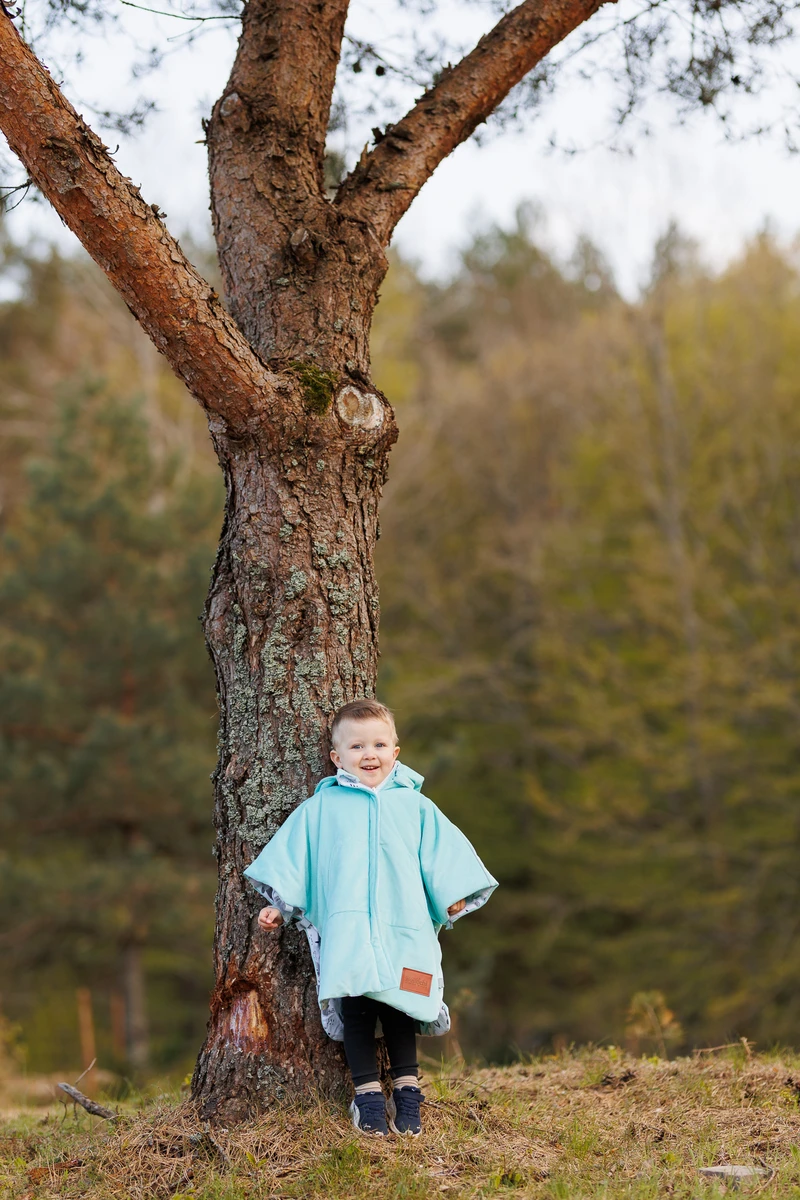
<point x="743" y="1041"/>
<point x="97" y="1110"/>
<point x="713" y="1049"/>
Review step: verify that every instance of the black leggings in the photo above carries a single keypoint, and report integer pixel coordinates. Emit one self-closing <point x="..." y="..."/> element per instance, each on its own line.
<point x="359" y="1015"/>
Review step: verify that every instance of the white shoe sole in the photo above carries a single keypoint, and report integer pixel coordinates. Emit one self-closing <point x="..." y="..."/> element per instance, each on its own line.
<point x="391" y="1113"/>
<point x="355" y="1117"/>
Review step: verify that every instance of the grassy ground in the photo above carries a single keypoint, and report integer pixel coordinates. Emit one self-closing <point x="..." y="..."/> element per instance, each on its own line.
<point x="594" y="1123"/>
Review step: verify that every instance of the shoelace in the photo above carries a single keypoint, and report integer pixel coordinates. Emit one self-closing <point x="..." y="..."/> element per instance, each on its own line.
<point x="373" y="1108"/>
<point x="407" y="1102"/>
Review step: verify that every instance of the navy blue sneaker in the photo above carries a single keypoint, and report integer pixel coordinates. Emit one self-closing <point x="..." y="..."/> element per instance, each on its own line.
<point x="404" y="1111"/>
<point x="368" y="1112"/>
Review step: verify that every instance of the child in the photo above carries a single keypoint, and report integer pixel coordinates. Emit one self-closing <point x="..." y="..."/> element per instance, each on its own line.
<point x="372" y="870"/>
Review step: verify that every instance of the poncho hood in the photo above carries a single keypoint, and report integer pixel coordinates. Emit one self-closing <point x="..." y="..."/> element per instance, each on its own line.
<point x="400" y="776"/>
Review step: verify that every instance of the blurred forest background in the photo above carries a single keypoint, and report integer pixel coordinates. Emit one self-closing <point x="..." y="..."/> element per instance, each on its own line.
<point x="590" y="569"/>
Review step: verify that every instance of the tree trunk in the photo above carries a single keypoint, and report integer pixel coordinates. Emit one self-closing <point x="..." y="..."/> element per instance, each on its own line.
<point x="137" y="1039"/>
<point x="292" y="615"/>
<point x="291" y="623"/>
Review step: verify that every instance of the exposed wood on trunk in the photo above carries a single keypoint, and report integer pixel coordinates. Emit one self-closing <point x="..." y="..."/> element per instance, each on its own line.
<point x="387" y="179"/>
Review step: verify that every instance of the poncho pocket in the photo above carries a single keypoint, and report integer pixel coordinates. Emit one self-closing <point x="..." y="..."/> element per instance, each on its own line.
<point x="409" y="923"/>
<point x="347" y="964"/>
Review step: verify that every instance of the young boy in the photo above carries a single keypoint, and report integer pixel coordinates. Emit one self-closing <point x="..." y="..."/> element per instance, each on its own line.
<point x="372" y="870"/>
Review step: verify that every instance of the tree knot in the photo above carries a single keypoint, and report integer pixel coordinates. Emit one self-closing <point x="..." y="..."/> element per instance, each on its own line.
<point x="359" y="409"/>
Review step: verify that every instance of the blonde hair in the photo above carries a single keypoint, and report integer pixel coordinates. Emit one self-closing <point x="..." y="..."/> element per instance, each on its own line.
<point x="363" y="710"/>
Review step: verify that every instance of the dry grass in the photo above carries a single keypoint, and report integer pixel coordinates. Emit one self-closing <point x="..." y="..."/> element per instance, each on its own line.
<point x="594" y="1123"/>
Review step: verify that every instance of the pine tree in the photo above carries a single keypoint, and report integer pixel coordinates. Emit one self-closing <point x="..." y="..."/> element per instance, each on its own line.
<point x="107" y="720"/>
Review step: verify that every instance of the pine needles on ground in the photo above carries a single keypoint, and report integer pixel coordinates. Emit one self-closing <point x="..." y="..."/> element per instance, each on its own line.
<point x="595" y="1123"/>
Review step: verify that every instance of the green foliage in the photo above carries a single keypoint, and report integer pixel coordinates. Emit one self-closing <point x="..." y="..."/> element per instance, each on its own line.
<point x="108" y="718"/>
<point x="590" y="633"/>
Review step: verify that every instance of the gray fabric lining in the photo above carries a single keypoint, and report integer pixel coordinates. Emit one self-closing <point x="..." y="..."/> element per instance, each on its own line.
<point x="474" y="902"/>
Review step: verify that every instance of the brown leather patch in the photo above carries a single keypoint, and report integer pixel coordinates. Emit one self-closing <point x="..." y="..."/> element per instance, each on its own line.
<point x="416" y="981"/>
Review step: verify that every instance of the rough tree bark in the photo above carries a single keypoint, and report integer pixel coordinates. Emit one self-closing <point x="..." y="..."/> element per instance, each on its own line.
<point x="301" y="434"/>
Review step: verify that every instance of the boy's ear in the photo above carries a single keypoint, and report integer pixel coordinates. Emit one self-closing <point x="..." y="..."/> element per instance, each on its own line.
<point x="396" y="752"/>
<point x="334" y="758"/>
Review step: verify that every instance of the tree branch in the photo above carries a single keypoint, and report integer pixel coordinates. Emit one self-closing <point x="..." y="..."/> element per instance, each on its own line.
<point x="387" y="179"/>
<point x="91" y="1106"/>
<point x="179" y="310"/>
<point x="284" y="74"/>
<point x="266" y="144"/>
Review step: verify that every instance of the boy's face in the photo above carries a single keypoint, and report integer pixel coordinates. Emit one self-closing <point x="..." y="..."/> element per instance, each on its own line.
<point x="366" y="749"/>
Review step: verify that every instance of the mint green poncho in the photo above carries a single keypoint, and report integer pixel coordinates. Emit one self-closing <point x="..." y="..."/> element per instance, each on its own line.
<point x="370" y="873"/>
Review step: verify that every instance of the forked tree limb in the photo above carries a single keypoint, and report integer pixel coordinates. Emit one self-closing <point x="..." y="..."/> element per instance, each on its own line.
<point x="278" y="239"/>
<point x="179" y="310"/>
<point x="387" y="179"/>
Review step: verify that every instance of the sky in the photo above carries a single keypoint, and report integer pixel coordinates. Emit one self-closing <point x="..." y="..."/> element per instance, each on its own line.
<point x="720" y="192"/>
